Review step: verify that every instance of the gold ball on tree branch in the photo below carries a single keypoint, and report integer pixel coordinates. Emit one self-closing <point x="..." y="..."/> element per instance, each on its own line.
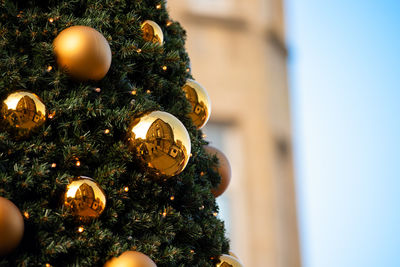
<point x="151" y="32"/>
<point x="199" y="101"/>
<point x="22" y="113"/>
<point x="131" y="259"/>
<point x="228" y="261"/>
<point x="223" y="168"/>
<point x="85" y="198"/>
<point x="83" y="53"/>
<point x="161" y="141"/>
<point x="11" y="226"/>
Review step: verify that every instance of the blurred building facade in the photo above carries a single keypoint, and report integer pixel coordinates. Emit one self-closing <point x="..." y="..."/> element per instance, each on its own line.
<point x="238" y="54"/>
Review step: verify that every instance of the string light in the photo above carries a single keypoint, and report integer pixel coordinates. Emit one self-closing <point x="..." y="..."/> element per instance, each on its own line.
<point x="187" y="70"/>
<point x="81" y="229"/>
<point x="169" y="23"/>
<point x="53" y="165"/>
<point x="164" y="214"/>
<point x="49" y="68"/>
<point x="202" y="207"/>
<point x="78" y="163"/>
<point x="148" y="91"/>
<point x="158" y="6"/>
<point x="139" y="50"/>
<point x="201" y="173"/>
<point x="192" y="251"/>
<point x="204" y="135"/>
<point x="98" y="89"/>
<point x="191" y="155"/>
<point x="164" y="68"/>
<point x="126" y="189"/>
<point x="48" y="265"/>
<point x="172" y="198"/>
<point x="134" y="92"/>
<point x="51" y="115"/>
<point x="26" y="214"/>
<point x="51" y="20"/>
<point x="106" y="131"/>
<point x="215" y="214"/>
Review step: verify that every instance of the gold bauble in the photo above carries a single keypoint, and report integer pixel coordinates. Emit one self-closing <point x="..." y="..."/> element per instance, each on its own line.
<point x="23" y="112"/>
<point x="85" y="198"/>
<point x="228" y="261"/>
<point x="161" y="141"/>
<point x="224" y="170"/>
<point x="200" y="102"/>
<point x="131" y="259"/>
<point x="83" y="53"/>
<point x="11" y="226"/>
<point x="231" y="253"/>
<point x="151" y="32"/>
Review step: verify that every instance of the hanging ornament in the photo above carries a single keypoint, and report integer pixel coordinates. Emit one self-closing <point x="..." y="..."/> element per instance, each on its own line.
<point x="131" y="259"/>
<point x="224" y="170"/>
<point x="161" y="141"/>
<point x="11" y="226"/>
<point x="83" y="53"/>
<point x="151" y="32"/>
<point x="200" y="102"/>
<point x="23" y="113"/>
<point x="232" y="254"/>
<point x="85" y="198"/>
<point x="228" y="261"/>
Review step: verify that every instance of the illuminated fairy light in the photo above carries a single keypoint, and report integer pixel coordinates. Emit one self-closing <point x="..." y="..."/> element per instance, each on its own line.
<point x="164" y="214"/>
<point x="133" y="92"/>
<point x="172" y="198"/>
<point x="51" y="115"/>
<point x="51" y="20"/>
<point x="139" y="50"/>
<point x="201" y="173"/>
<point x="204" y="135"/>
<point x="48" y="265"/>
<point x="98" y="90"/>
<point x="187" y="70"/>
<point x="164" y="68"/>
<point x="169" y="23"/>
<point x="26" y="214"/>
<point x="158" y="6"/>
<point x="106" y="131"/>
<point x="49" y="68"/>
<point x="215" y="214"/>
<point x="78" y="163"/>
<point x="126" y="189"/>
<point x="81" y="229"/>
<point x="53" y="165"/>
<point x="148" y="91"/>
<point x="192" y="251"/>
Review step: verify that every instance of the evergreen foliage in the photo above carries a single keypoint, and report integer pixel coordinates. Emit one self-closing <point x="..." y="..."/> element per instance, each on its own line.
<point x="170" y="220"/>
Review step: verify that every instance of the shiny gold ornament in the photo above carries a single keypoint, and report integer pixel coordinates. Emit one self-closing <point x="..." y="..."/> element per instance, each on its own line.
<point x="131" y="259"/>
<point x="161" y="141"/>
<point x="23" y="112"/>
<point x="85" y="198"/>
<point x="224" y="170"/>
<point x="11" y="226"/>
<point x="200" y="102"/>
<point x="83" y="53"/>
<point x="151" y="32"/>
<point x="228" y="261"/>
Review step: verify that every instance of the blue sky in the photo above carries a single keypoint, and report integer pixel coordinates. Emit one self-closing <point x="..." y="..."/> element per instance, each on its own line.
<point x="345" y="82"/>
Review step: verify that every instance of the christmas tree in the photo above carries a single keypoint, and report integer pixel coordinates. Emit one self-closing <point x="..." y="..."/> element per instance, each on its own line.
<point x="101" y="149"/>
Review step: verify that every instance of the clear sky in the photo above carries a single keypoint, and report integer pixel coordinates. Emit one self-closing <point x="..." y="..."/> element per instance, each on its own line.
<point x="345" y="83"/>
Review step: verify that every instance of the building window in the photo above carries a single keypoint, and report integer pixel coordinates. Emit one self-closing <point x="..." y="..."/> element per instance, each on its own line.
<point x="232" y="209"/>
